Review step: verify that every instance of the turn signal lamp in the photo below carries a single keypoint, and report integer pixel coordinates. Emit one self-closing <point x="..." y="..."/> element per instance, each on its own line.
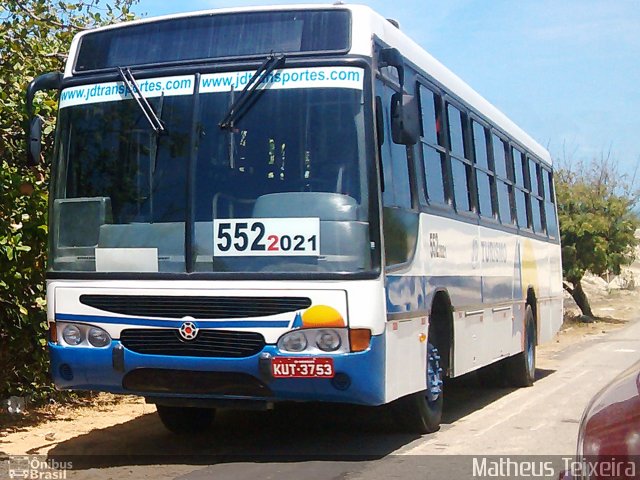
<point x="360" y="339"/>
<point x="53" y="332"/>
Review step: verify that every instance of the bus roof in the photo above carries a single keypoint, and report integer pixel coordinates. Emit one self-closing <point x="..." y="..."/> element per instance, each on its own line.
<point x="366" y="24"/>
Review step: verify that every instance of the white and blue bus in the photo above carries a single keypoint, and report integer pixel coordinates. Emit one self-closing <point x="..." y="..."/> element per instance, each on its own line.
<point x="292" y="203"/>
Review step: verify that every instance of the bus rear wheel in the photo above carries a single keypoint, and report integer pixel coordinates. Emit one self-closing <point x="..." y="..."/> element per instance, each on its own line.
<point x="186" y="419"/>
<point x="521" y="368"/>
<point x="421" y="412"/>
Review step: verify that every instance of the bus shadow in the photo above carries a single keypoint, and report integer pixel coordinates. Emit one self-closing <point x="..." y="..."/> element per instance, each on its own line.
<point x="292" y="432"/>
<point x="468" y="393"/>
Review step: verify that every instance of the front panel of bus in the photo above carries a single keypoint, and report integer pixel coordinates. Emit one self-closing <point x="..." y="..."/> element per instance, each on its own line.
<point x="190" y="257"/>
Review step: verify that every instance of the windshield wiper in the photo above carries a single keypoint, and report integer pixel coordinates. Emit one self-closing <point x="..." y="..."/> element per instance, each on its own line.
<point x="130" y="81"/>
<point x="248" y="96"/>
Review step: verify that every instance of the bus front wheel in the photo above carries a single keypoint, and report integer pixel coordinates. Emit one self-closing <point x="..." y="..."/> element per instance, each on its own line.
<point x="421" y="412"/>
<point x="186" y="419"/>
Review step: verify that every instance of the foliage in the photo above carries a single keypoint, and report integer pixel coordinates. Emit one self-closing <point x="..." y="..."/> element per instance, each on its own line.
<point x="34" y="38"/>
<point x="597" y="222"/>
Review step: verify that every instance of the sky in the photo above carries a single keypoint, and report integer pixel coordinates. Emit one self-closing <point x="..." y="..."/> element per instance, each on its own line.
<point x="566" y="71"/>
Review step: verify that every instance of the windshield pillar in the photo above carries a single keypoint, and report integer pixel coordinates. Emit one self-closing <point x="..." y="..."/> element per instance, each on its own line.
<point x="190" y="227"/>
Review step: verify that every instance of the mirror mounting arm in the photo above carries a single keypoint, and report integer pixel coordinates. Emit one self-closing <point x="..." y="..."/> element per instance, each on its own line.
<point x="391" y="57"/>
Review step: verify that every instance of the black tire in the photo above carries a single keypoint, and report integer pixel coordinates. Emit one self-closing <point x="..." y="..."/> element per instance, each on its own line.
<point x="421" y="412"/>
<point x="186" y="419"/>
<point x="521" y="368"/>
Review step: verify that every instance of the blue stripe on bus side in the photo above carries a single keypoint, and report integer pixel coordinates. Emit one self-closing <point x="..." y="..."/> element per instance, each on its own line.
<point x="150" y="322"/>
<point x="415" y="293"/>
<point x="500" y="289"/>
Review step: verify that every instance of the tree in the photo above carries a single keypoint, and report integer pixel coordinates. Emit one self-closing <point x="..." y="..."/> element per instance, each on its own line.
<point x="35" y="36"/>
<point x="597" y="223"/>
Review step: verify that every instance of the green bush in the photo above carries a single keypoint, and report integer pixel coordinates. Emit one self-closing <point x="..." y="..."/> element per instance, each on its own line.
<point x="23" y="236"/>
<point x="34" y="38"/>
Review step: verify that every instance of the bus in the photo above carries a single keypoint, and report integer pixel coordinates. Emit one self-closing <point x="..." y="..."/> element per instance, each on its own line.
<point x="288" y="203"/>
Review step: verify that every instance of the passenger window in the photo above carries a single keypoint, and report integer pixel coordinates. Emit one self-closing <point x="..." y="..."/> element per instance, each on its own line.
<point x="549" y="207"/>
<point x="536" y="213"/>
<point x="548" y="190"/>
<point x="533" y="177"/>
<point x="480" y="145"/>
<point x="517" y="167"/>
<point x="484" y="193"/>
<point x="504" y="202"/>
<point x="552" y="223"/>
<point x="430" y="117"/>
<point x="521" y="209"/>
<point x="456" y="138"/>
<point x="433" y="152"/>
<point x="460" y="171"/>
<point x="433" y="171"/>
<point x="499" y="156"/>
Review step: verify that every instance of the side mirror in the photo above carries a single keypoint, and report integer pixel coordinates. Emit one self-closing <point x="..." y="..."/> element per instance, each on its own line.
<point x="405" y="121"/>
<point x="47" y="81"/>
<point x="35" y="140"/>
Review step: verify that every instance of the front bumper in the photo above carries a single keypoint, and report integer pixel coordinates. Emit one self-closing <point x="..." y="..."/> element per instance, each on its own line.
<point x="359" y="376"/>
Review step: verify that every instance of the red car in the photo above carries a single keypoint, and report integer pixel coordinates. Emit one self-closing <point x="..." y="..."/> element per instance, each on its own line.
<point x="609" y="436"/>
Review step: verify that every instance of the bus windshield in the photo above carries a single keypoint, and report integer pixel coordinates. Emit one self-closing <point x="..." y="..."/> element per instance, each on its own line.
<point x="283" y="191"/>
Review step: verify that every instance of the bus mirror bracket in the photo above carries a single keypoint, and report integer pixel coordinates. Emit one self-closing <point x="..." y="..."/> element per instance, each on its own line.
<point x="391" y="57"/>
<point x="405" y="122"/>
<point x="47" y="81"/>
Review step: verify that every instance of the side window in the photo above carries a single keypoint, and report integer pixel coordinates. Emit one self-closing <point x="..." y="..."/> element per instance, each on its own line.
<point x="499" y="157"/>
<point x="537" y="205"/>
<point x="431" y="119"/>
<point x="534" y="168"/>
<point x="484" y="176"/>
<point x="504" y="202"/>
<point x="480" y="145"/>
<point x="432" y="143"/>
<point x="548" y="186"/>
<point x="517" y="167"/>
<point x="504" y="186"/>
<point x="536" y="214"/>
<point x="521" y="195"/>
<point x="460" y="174"/>
<point x="549" y="203"/>
<point x="460" y="165"/>
<point x="456" y="136"/>
<point x="397" y="187"/>
<point x="521" y="208"/>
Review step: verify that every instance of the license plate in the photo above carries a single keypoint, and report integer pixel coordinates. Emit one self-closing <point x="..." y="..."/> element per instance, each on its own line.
<point x="287" y="367"/>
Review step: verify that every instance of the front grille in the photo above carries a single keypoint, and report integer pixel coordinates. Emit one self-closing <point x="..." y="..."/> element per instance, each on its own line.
<point x="208" y="343"/>
<point x="160" y="380"/>
<point x="196" y="307"/>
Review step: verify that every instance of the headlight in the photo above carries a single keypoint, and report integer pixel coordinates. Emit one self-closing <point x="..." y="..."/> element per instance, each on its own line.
<point x="72" y="335"/>
<point x="328" y="340"/>
<point x="294" y="342"/>
<point x="82" y="335"/>
<point x="98" y="337"/>
<point x="315" y="341"/>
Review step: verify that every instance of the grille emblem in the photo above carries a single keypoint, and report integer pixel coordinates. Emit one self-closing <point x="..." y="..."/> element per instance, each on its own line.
<point x="188" y="330"/>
